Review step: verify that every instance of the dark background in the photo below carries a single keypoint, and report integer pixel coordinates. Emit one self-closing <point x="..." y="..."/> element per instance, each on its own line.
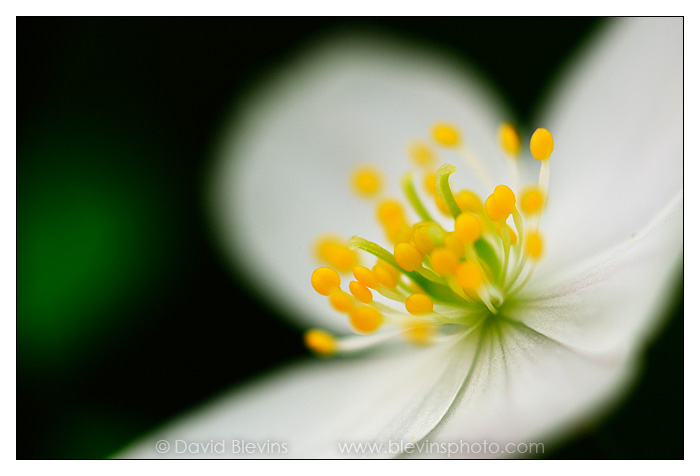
<point x="126" y="314"/>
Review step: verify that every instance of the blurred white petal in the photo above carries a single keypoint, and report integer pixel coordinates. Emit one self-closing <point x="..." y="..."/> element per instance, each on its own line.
<point x="617" y="121"/>
<point x="286" y="157"/>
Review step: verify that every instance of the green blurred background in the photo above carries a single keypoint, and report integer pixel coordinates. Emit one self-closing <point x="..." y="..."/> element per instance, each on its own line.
<point x="126" y="314"/>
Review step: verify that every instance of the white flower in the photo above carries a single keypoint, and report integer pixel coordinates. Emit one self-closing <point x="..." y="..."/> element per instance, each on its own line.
<point x="612" y="227"/>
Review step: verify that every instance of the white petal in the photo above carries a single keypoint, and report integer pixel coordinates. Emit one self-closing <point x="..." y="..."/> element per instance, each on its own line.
<point x="609" y="303"/>
<point x="529" y="389"/>
<point x="313" y="407"/>
<point x="617" y="126"/>
<point x="282" y="173"/>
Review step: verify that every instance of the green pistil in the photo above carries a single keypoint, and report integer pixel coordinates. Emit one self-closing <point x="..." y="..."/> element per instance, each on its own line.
<point x="410" y="192"/>
<point x="488" y="256"/>
<point x="442" y="185"/>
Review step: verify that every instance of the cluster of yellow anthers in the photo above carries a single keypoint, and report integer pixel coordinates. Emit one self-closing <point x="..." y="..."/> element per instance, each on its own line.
<point x="444" y="278"/>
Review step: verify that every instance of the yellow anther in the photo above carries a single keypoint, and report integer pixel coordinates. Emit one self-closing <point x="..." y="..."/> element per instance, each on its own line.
<point x="421" y="153"/>
<point x="365" y="276"/>
<point x="391" y="216"/>
<point x="469" y="275"/>
<point x="341" y="301"/>
<point x="422" y="239"/>
<point x="443" y="261"/>
<point x="446" y="134"/>
<point x="385" y="276"/>
<point x="534" y="245"/>
<point x="366" y="181"/>
<point x="325" y="281"/>
<point x="392" y="232"/>
<point x="468" y="201"/>
<point x="392" y="269"/>
<point x="509" y="139"/>
<point x="390" y="211"/>
<point x="429" y="183"/>
<point x="336" y="253"/>
<point x="492" y="210"/>
<point x="404" y="234"/>
<point x="419" y="304"/>
<point x="365" y="319"/>
<point x="531" y="200"/>
<point x="320" y="341"/>
<point x="419" y="332"/>
<point x="361" y="292"/>
<point x="541" y="144"/>
<point x="453" y="244"/>
<point x="467" y="228"/>
<point x="441" y="206"/>
<point x="407" y="256"/>
<point x="505" y="199"/>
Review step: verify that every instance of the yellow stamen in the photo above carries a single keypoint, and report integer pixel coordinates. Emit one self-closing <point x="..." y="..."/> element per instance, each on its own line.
<point x="385" y="277"/>
<point x="504" y="199"/>
<point x="366" y="181"/>
<point x="390" y="211"/>
<point x="325" y="281"/>
<point x="404" y="234"/>
<point x="419" y="332"/>
<point x="469" y="275"/>
<point x="467" y="228"/>
<point x="468" y="201"/>
<point x="531" y="200"/>
<point x="320" y="341"/>
<point x="534" y="245"/>
<point x="541" y="144"/>
<point x="361" y="292"/>
<point x="390" y="214"/>
<point x="366" y="319"/>
<point x="365" y="277"/>
<point x="446" y="134"/>
<point x="421" y="153"/>
<point x="492" y="210"/>
<point x="422" y="239"/>
<point x="509" y="139"/>
<point x="392" y="231"/>
<point x="453" y="244"/>
<point x="407" y="256"/>
<point x="336" y="253"/>
<point x="392" y="269"/>
<point x="341" y="301"/>
<point x="418" y="304"/>
<point x="443" y="261"/>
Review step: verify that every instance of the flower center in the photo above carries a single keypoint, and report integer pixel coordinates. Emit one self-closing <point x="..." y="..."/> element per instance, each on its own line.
<point x="445" y="276"/>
